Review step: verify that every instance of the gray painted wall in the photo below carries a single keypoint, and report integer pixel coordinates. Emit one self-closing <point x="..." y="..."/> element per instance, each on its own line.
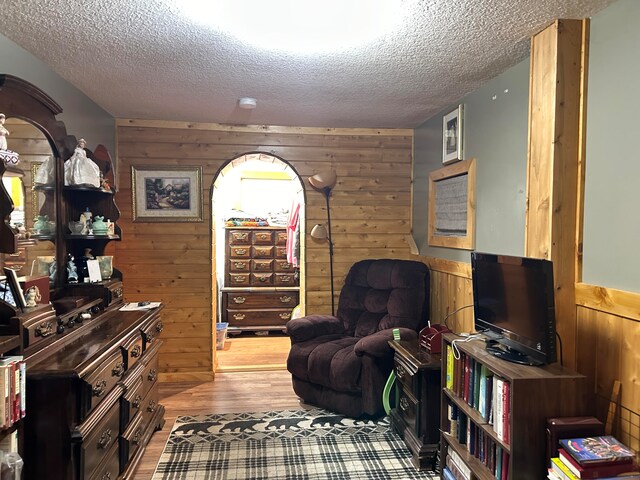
<point x="495" y="134"/>
<point x="611" y="233"/>
<point x="82" y="117"/>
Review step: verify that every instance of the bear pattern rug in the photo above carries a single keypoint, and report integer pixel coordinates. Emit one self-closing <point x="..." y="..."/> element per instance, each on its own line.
<point x="285" y="445"/>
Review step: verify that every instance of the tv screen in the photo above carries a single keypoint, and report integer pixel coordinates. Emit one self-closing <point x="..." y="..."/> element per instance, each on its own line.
<point x="513" y="299"/>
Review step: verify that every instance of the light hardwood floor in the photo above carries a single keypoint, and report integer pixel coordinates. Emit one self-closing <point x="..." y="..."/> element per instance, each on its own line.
<point x="253" y="378"/>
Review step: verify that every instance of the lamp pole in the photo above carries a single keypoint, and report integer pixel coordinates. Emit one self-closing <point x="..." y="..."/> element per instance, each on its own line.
<point x="327" y="192"/>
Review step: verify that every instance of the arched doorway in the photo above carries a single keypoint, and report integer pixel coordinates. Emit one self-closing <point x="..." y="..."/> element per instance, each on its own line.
<point x="257" y="256"/>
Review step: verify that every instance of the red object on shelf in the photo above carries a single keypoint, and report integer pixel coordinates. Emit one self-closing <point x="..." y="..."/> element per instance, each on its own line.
<point x="430" y="338"/>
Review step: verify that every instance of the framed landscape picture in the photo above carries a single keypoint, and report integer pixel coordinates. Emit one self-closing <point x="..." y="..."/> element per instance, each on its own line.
<point x="452" y="136"/>
<point x="166" y="194"/>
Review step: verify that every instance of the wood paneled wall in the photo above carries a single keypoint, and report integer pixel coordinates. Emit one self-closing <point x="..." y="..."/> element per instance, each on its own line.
<point x="171" y="262"/>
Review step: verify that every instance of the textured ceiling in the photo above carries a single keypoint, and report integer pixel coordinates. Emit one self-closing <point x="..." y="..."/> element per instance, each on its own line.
<point x="142" y="59"/>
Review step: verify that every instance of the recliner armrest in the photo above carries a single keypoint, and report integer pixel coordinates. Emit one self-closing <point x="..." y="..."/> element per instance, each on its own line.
<point x="377" y="344"/>
<point x="311" y="326"/>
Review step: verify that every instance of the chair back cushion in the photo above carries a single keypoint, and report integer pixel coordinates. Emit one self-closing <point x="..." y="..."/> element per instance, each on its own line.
<point x="382" y="294"/>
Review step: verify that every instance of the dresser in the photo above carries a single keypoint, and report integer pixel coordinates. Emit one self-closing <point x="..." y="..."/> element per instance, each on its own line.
<point x="92" y="402"/>
<point x="416" y="415"/>
<point x="260" y="287"/>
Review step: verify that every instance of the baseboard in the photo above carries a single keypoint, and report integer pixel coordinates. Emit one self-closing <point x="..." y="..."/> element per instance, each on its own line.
<point x="186" y="377"/>
<point x="251" y="368"/>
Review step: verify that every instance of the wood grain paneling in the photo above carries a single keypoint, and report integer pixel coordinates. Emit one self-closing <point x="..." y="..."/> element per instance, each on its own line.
<point x="370" y="210"/>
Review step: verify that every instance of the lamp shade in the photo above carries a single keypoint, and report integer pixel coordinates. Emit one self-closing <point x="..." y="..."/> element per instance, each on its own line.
<point x="323" y="180"/>
<point x="319" y="232"/>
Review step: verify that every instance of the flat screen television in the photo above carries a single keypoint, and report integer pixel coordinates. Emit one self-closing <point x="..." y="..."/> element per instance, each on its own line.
<point x="513" y="299"/>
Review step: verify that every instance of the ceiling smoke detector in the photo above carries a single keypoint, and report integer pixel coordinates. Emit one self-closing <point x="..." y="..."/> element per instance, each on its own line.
<point x="247" y="103"/>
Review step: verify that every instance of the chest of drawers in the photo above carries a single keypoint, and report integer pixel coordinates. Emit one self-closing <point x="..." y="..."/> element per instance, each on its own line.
<point x="260" y="287"/>
<point x="93" y="399"/>
<point x="417" y="411"/>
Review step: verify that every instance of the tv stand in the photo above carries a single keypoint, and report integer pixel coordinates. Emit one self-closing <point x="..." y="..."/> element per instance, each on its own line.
<point x="510" y="355"/>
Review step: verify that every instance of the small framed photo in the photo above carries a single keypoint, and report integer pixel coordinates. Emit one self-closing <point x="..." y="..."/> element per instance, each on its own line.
<point x="452" y="136"/>
<point x="16" y="290"/>
<point x="166" y="194"/>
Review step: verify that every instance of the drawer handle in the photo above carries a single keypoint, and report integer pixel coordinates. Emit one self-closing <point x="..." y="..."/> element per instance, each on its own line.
<point x="99" y="388"/>
<point x="152" y="406"/>
<point x="44" y="330"/>
<point x="285" y="316"/>
<point x="262" y="236"/>
<point x="240" y="236"/>
<point x="240" y="265"/>
<point x="159" y="327"/>
<point x="400" y="371"/>
<point x="239" y="300"/>
<point x="241" y="251"/>
<point x="404" y="404"/>
<point x="106" y="476"/>
<point x="263" y="279"/>
<point x="136" y="351"/>
<point x="239" y="316"/>
<point x="285" y="299"/>
<point x="118" y="370"/>
<point x="136" y="401"/>
<point x="152" y="375"/>
<point x="238" y="279"/>
<point x="284" y="265"/>
<point x="149" y="337"/>
<point x="285" y="278"/>
<point x="105" y="439"/>
<point x="136" y="437"/>
<point x="117" y="292"/>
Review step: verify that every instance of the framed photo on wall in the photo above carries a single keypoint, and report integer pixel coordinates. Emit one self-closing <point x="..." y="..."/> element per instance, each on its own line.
<point x="166" y="194"/>
<point x="452" y="136"/>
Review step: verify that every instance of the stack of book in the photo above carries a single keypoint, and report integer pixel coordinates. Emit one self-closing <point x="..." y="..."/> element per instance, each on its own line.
<point x="12" y="390"/>
<point x="601" y="457"/>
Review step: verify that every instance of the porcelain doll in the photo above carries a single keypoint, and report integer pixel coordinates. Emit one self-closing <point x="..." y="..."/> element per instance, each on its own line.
<point x="80" y="170"/>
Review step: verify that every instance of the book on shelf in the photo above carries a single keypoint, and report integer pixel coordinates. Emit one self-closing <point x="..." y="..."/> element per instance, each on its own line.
<point x="10" y="442"/>
<point x="12" y="389"/>
<point x="594" y="471"/>
<point x="449" y="377"/>
<point x="453" y="459"/>
<point x="600" y="450"/>
<point x="447" y="475"/>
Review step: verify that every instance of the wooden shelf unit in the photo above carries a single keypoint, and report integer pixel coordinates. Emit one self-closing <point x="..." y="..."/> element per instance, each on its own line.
<point x="535" y="394"/>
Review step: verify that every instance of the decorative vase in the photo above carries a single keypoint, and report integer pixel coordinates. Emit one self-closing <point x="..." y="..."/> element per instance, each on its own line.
<point x="105" y="263"/>
<point x="99" y="226"/>
<point x="41" y="225"/>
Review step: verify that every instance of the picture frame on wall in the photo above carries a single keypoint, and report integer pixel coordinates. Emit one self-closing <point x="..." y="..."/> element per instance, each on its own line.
<point x="452" y="136"/>
<point x="16" y="290"/>
<point x="167" y="194"/>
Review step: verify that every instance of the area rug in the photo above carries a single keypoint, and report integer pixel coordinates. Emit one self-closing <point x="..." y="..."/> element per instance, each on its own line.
<point x="285" y="445"/>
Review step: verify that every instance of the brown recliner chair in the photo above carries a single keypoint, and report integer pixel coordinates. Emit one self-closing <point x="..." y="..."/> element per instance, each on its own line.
<point x="342" y="363"/>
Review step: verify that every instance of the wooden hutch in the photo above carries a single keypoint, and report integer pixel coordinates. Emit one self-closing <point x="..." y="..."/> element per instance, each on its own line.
<point x="91" y="369"/>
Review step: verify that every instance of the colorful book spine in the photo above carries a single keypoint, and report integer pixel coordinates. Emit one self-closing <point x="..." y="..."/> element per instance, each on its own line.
<point x="450" y="359"/>
<point x="562" y="470"/>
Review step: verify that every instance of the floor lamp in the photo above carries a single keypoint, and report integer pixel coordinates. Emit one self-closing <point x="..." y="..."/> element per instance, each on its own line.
<point x="324" y="183"/>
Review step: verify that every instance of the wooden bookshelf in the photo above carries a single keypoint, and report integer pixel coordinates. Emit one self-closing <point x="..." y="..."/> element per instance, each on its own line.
<point x="535" y="394"/>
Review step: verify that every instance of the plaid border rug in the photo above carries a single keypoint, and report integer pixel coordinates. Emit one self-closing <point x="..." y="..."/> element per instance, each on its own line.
<point x="285" y="445"/>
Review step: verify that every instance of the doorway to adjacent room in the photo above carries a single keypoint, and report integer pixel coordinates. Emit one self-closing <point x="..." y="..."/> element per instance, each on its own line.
<point x="257" y="217"/>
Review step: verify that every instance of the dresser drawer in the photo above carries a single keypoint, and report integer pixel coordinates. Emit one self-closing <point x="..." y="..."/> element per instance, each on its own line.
<point x="262" y="251"/>
<point x="410" y="381"/>
<point x="131" y="438"/>
<point x="240" y="252"/>
<point x="151" y="332"/>
<point x="110" y="466"/>
<point x="281" y="252"/>
<point x="131" y="403"/>
<point x="242" y="300"/>
<point x="132" y="350"/>
<point x="261" y="265"/>
<point x="285" y="280"/>
<point x="238" y="280"/>
<point x="261" y="280"/>
<point x="150" y="404"/>
<point x="41" y="324"/>
<point x="283" y="266"/>
<point x="239" y="266"/>
<point x="263" y="237"/>
<point x="239" y="237"/>
<point x="408" y="409"/>
<point x="98" y="443"/>
<point x="281" y="237"/>
<point x="150" y="374"/>
<point x="100" y="381"/>
<point x="258" y="318"/>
